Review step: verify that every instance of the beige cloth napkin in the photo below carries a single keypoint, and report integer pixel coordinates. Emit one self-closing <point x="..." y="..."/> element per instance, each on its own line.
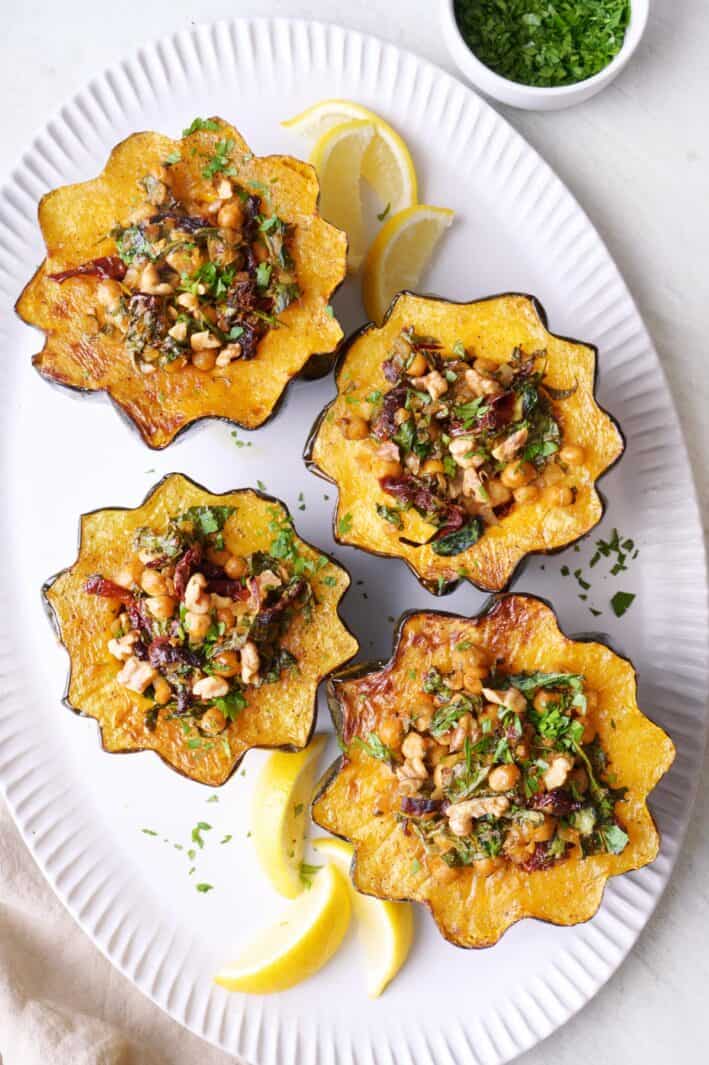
<point x="61" y="1001"/>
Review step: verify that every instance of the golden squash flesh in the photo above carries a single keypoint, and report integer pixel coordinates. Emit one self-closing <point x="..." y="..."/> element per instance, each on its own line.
<point x="280" y="714"/>
<point x="76" y="222"/>
<point x="359" y="800"/>
<point x="491" y="328"/>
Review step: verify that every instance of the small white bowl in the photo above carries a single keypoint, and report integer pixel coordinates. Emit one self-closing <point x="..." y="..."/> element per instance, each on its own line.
<point x="531" y="97"/>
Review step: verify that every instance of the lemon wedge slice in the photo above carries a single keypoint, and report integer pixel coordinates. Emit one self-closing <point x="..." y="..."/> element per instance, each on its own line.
<point x="385" y="929"/>
<point x="337" y="157"/>
<point x="301" y="942"/>
<point x="279" y="814"/>
<point x="399" y="255"/>
<point x="386" y="164"/>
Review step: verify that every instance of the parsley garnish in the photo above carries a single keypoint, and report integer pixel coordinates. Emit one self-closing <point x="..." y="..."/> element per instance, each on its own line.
<point x="374" y="747"/>
<point x="307" y="872"/>
<point x="199" y="124"/>
<point x="620" y="602"/>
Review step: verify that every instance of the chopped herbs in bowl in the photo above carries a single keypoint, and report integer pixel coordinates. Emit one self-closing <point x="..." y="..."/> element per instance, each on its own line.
<point x="538" y="42"/>
<point x="543" y="53"/>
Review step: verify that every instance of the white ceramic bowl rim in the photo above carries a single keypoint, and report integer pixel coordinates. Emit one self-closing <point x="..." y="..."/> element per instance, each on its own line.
<point x="639" y="11"/>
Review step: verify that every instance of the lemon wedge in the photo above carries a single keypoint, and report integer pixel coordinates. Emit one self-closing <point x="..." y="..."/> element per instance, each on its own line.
<point x="280" y="814"/>
<point x="337" y="157"/>
<point x="399" y="255"/>
<point x="386" y="164"/>
<point x="385" y="929"/>
<point x="296" y="946"/>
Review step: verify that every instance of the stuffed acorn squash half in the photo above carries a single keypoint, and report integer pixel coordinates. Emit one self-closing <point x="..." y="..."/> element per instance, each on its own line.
<point x="494" y="769"/>
<point x="199" y="626"/>
<point x="190" y="279"/>
<point x="464" y="437"/>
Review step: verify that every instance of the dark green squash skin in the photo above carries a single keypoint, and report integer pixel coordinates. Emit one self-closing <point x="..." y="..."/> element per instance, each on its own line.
<point x="52" y="618"/>
<point x="434" y="587"/>
<point x="361" y="669"/>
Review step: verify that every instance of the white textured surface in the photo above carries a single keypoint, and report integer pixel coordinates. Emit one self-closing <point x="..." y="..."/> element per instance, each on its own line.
<point x="651" y="637"/>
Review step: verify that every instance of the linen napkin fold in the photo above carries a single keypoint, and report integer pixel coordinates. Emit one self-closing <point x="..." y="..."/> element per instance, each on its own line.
<point x="61" y="1001"/>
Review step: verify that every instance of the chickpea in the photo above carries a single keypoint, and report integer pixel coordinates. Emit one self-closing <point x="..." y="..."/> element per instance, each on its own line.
<point x="553" y="474"/>
<point x="204" y="360"/>
<point x="543" y="832"/>
<point x="572" y="455"/>
<point x="498" y="493"/>
<point x="163" y="691"/>
<point x="388" y="468"/>
<point x="472" y="681"/>
<point x="129" y="574"/>
<point x="228" y="354"/>
<point x="390" y="732"/>
<point x="561" y="495"/>
<point x="485" y="366"/>
<point x="432" y="466"/>
<point x="218" y="557"/>
<point x="226" y="664"/>
<point x="189" y="301"/>
<point x="487" y="866"/>
<point x="236" y="567"/>
<point x="153" y="582"/>
<point x="528" y="493"/>
<point x="545" y="698"/>
<point x="197" y="626"/>
<point x="454" y="680"/>
<point x="418" y="366"/>
<point x="178" y="331"/>
<point x="354" y="427"/>
<point x="229" y="215"/>
<point x="413" y="746"/>
<point x="161" y="606"/>
<point x="204" y="341"/>
<point x="517" y="474"/>
<point x="503" y="777"/>
<point x="422" y="715"/>
<point x="212" y="721"/>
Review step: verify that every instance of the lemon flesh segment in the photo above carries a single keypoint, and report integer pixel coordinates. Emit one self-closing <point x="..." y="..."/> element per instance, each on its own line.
<point x="386" y="165"/>
<point x="400" y="254"/>
<point x="337" y="157"/>
<point x="280" y="814"/>
<point x="295" y="947"/>
<point x="385" y="929"/>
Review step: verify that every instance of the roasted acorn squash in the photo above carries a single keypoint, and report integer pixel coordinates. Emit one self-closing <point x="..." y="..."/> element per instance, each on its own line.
<point x="97" y="230"/>
<point x="278" y="710"/>
<point x="474" y="897"/>
<point x="385" y="481"/>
